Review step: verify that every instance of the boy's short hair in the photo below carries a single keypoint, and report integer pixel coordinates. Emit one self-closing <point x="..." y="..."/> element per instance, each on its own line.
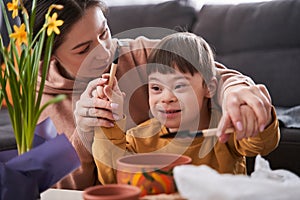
<point x="189" y="52"/>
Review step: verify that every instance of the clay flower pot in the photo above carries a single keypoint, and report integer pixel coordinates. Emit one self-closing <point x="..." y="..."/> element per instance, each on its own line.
<point x="111" y="192"/>
<point x="151" y="172"/>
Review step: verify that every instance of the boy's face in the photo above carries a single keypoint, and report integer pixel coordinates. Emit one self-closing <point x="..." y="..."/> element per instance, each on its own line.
<point x="176" y="99"/>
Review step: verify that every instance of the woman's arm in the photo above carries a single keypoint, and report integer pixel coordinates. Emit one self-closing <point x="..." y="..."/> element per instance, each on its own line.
<point x="235" y="90"/>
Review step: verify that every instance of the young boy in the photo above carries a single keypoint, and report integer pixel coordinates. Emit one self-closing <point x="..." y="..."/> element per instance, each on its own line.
<point x="181" y="85"/>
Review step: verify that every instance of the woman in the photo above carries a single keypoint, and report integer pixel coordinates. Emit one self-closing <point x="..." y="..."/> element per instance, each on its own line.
<point x="83" y="51"/>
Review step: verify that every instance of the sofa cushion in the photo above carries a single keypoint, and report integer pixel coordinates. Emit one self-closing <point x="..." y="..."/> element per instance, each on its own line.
<point x="172" y="15"/>
<point x="260" y="40"/>
<point x="285" y="156"/>
<point x="289" y="117"/>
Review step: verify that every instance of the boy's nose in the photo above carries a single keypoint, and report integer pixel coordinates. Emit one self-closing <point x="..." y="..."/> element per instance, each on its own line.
<point x="168" y="96"/>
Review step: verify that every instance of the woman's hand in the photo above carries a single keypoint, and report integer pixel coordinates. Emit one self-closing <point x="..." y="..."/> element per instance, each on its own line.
<point x="112" y="94"/>
<point x="247" y="109"/>
<point x="92" y="111"/>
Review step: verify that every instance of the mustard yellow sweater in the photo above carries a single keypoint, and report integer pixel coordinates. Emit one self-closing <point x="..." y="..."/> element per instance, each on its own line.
<point x="111" y="143"/>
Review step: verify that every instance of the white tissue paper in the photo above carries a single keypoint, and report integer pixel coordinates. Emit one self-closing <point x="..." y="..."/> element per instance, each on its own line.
<point x="204" y="183"/>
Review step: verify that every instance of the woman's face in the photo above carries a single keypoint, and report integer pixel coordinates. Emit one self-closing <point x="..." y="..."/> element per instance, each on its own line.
<point x="89" y="32"/>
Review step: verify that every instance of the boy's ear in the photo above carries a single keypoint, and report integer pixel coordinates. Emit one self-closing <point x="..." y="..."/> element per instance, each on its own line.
<point x="211" y="88"/>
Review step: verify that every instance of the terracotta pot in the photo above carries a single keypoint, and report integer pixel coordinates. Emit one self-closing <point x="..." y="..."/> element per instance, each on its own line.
<point x="151" y="172"/>
<point x="111" y="192"/>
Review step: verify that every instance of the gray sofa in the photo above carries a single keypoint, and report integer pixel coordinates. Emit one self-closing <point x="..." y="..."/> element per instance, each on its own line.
<point x="261" y="40"/>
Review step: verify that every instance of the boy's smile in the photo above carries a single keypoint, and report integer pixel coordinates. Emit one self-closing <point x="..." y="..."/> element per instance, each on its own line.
<point x="170" y="113"/>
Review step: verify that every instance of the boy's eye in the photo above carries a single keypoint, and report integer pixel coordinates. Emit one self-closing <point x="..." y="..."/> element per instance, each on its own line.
<point x="179" y="86"/>
<point x="155" y="87"/>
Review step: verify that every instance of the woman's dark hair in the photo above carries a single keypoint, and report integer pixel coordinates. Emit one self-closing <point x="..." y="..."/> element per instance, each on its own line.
<point x="187" y="52"/>
<point x="72" y="12"/>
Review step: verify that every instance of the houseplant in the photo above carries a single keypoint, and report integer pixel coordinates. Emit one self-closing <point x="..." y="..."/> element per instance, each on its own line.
<point x="36" y="165"/>
<point x="20" y="74"/>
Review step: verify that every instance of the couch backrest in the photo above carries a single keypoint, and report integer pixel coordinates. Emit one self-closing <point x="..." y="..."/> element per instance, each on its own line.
<point x="261" y="40"/>
<point x="172" y="15"/>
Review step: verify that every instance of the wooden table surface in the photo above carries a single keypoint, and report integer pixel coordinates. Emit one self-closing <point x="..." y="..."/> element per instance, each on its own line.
<point x="59" y="194"/>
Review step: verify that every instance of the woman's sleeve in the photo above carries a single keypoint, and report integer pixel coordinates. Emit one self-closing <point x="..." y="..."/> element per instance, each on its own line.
<point x="229" y="77"/>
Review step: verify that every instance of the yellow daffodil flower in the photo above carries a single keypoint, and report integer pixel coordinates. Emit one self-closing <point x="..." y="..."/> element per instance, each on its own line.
<point x="53" y="24"/>
<point x="13" y="6"/>
<point x="20" y="34"/>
